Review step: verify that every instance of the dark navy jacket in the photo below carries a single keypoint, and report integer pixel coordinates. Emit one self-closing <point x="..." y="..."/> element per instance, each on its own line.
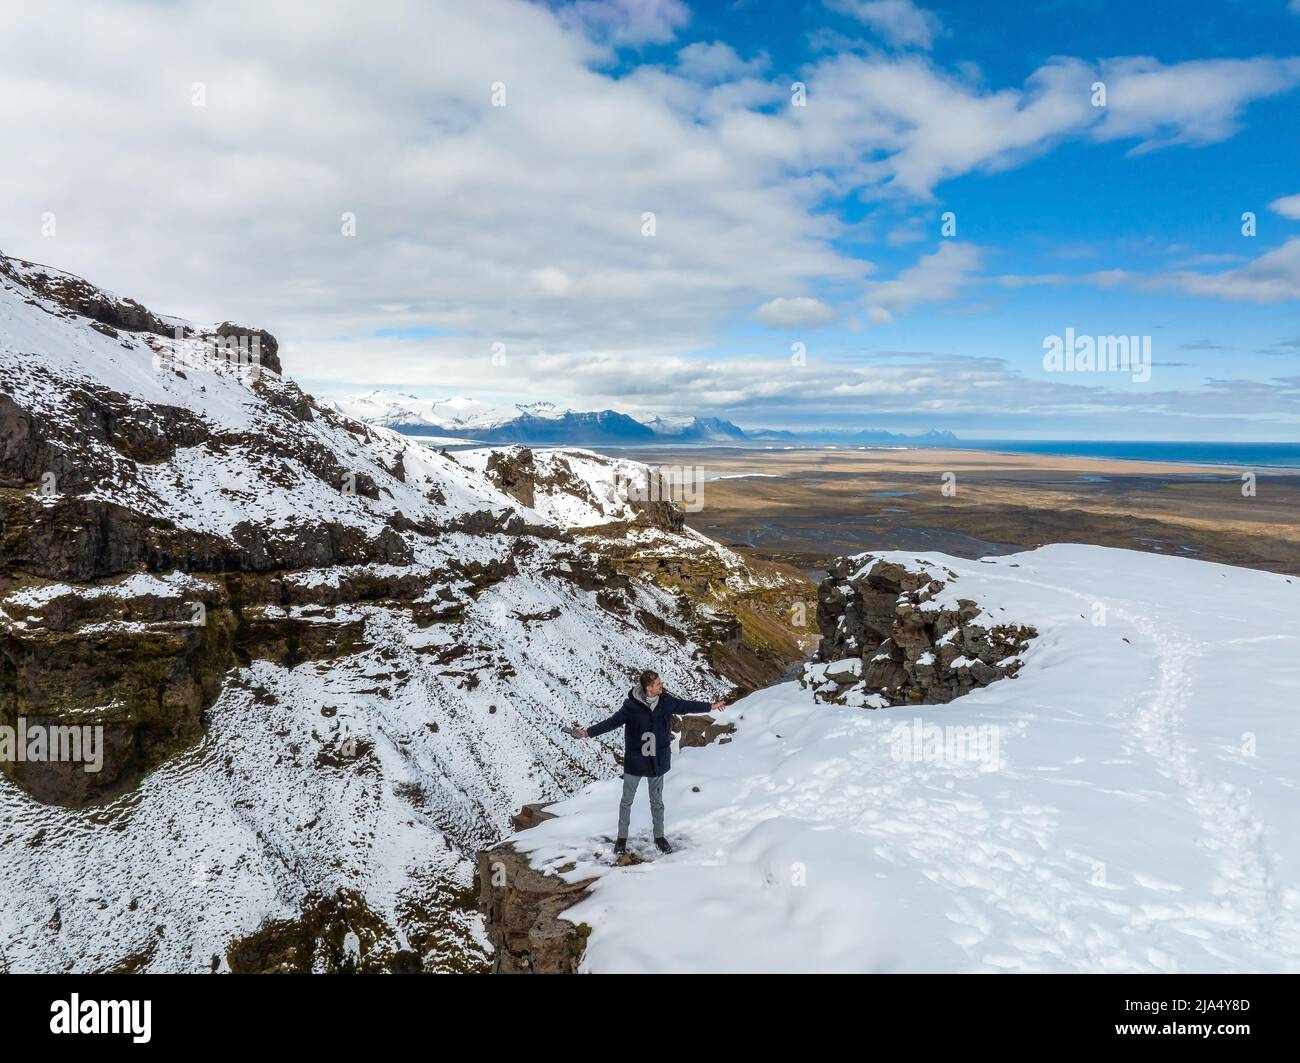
<point x="638" y="722"/>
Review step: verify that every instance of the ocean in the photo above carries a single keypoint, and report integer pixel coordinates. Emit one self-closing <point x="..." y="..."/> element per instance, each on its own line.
<point x="1242" y="455"/>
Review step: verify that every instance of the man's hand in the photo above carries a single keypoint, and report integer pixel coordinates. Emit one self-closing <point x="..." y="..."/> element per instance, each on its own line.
<point x="718" y="706"/>
<point x="581" y="732"/>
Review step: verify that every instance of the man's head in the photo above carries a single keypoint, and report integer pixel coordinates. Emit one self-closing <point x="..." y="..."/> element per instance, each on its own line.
<point x="651" y="684"/>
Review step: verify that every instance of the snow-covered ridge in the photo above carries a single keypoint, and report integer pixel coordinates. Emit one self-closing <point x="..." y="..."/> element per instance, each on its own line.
<point x="1126" y="804"/>
<point x="49" y="355"/>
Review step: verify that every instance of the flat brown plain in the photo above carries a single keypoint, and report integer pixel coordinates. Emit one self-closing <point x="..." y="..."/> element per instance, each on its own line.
<point x="806" y="506"/>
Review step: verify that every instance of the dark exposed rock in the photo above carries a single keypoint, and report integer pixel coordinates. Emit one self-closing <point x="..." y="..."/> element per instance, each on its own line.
<point x="523" y="908"/>
<point x="342" y="934"/>
<point x="507" y="522"/>
<point x="74" y="538"/>
<point x="32" y="446"/>
<point x="885" y="638"/>
<point x="698" y="730"/>
<point x="518" y="475"/>
<point x="531" y="815"/>
<point x="532" y="618"/>
<point x="260" y="340"/>
<point x="145" y="682"/>
<point x="294" y="640"/>
<point x="82" y="297"/>
<point x="160" y="660"/>
<point x="515" y="473"/>
<point x="80" y="539"/>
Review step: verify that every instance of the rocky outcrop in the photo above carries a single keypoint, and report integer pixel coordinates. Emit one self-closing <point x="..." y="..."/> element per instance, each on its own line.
<point x="145" y="657"/>
<point x="892" y="636"/>
<point x="80" y="297"/>
<point x="745" y="626"/>
<point x="144" y="682"/>
<point x="342" y="934"/>
<point x="266" y="345"/>
<point x="523" y="908"/>
<point x="531" y="815"/>
<point x="697" y="731"/>
<point x="516" y="471"/>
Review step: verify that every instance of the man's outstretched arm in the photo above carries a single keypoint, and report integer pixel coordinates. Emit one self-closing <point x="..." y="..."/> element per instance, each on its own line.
<point x="617" y="720"/>
<point x="683" y="707"/>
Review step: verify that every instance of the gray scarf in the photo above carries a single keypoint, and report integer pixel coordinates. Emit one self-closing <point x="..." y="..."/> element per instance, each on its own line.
<point x="641" y="696"/>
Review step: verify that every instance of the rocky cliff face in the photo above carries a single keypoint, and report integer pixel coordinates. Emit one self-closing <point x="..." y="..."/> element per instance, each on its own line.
<point x="328" y="662"/>
<point x="523" y="909"/>
<point x="740" y="612"/>
<point x="895" y="634"/>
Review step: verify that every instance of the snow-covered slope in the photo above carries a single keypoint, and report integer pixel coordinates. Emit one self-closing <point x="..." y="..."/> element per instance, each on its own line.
<point x="1128" y="802"/>
<point x="330" y="661"/>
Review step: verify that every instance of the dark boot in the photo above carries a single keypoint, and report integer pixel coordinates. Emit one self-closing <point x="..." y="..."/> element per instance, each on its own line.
<point x="620" y="846"/>
<point x="664" y="847"/>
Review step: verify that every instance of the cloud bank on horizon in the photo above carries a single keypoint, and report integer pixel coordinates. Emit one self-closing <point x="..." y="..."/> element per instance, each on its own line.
<point x="836" y="213"/>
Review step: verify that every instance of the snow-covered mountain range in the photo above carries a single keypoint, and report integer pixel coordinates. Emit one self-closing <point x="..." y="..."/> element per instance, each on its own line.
<point x="329" y="662"/>
<point x="545" y="423"/>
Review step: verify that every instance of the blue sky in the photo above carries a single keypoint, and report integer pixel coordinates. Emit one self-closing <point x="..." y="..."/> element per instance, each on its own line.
<point x="1074" y="209"/>
<point x="498" y="161"/>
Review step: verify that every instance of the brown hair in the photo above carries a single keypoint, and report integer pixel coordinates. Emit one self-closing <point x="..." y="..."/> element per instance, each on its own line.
<point x="648" y="677"/>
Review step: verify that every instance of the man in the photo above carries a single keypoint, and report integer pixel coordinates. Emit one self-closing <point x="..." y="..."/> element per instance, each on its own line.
<point x="646" y="717"/>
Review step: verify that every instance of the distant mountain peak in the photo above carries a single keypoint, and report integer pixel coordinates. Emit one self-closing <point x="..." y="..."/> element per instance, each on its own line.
<point x="548" y="423"/>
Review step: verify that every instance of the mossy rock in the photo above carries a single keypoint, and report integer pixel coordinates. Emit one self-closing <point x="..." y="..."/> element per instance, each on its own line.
<point x="147" y="689"/>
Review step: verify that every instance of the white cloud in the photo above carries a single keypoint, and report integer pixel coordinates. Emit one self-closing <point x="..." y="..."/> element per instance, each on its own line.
<point x="519" y="224"/>
<point x="1197" y="102"/>
<point x="903" y="123"/>
<point x="794" y="312"/>
<point x="935" y="277"/>
<point x="909" y="234"/>
<point x="628" y="22"/>
<point x="1209" y="258"/>
<point x="717" y="61"/>
<point x="900" y="22"/>
<point x="1287" y="206"/>
<point x="552" y="281"/>
<point x="1274" y="277"/>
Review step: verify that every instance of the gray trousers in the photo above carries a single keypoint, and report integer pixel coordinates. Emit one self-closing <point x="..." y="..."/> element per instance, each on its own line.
<point x="630" y="783"/>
